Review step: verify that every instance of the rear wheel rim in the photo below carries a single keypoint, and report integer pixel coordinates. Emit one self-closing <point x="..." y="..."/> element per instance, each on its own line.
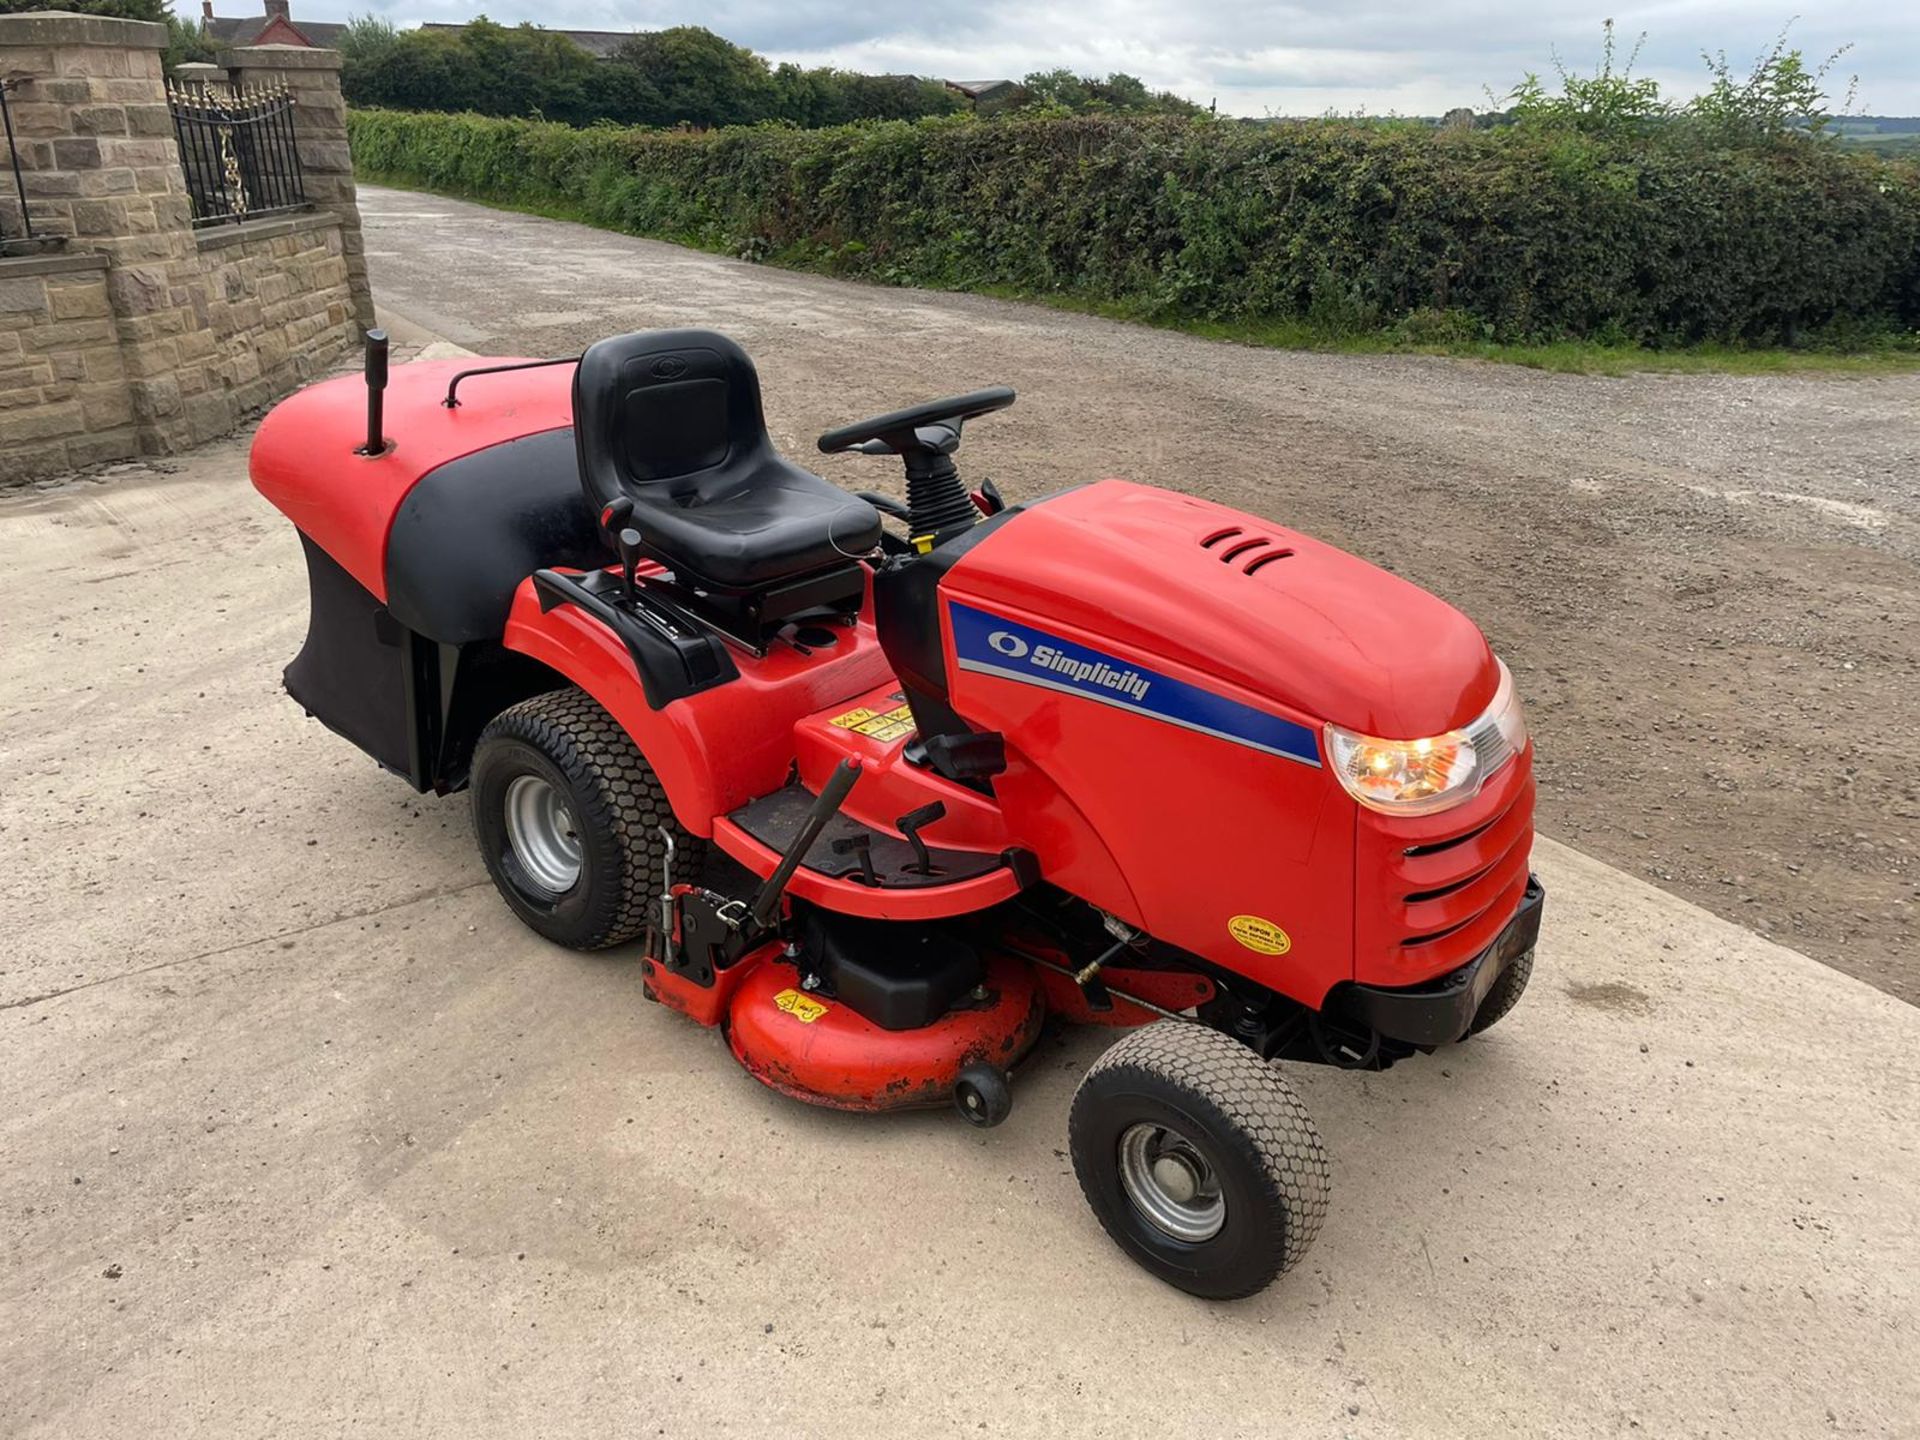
<point x="542" y="832"/>
<point x="1171" y="1183"/>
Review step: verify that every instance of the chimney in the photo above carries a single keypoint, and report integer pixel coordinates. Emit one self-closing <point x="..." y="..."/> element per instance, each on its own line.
<point x="206" y="12"/>
<point x="278" y="10"/>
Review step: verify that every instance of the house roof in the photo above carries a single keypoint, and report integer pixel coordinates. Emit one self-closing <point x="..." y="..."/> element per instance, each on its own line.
<point x="253" y="30"/>
<point x="979" y="89"/>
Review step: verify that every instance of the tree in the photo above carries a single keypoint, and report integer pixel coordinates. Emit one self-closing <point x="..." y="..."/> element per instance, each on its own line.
<point x="366" y="37"/>
<point x="814" y="98"/>
<point x="681" y="76"/>
<point x="186" y="42"/>
<point x="1064" y="91"/>
<point x="687" y="75"/>
<point x="483" y="67"/>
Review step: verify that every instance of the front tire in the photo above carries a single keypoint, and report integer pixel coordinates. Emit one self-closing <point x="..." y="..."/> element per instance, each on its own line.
<point x="1199" y="1160"/>
<point x="568" y="816"/>
<point x="1504" y="995"/>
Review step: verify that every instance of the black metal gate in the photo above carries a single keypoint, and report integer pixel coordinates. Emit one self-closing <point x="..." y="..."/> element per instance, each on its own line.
<point x="237" y="148"/>
<point x="18" y="226"/>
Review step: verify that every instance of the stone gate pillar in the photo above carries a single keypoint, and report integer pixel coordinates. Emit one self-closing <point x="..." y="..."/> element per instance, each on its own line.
<point x="320" y="136"/>
<point x="96" y="145"/>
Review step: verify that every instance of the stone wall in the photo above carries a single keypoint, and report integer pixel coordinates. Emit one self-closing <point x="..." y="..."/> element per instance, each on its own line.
<point x="63" y="390"/>
<point x="211" y="323"/>
<point x="278" y="304"/>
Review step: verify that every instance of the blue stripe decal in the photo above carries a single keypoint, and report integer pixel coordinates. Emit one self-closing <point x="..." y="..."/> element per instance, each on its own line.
<point x="992" y="645"/>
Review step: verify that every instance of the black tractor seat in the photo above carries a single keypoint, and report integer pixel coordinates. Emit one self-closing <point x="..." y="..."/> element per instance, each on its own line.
<point x="671" y="420"/>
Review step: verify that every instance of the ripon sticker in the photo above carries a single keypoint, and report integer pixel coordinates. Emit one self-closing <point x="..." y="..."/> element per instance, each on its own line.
<point x="1259" y="935"/>
<point x="803" y="1008"/>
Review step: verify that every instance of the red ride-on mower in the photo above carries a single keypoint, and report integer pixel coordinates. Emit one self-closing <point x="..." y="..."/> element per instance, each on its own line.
<point x="878" y="805"/>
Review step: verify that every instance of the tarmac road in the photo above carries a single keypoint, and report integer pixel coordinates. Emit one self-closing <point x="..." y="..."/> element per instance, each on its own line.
<point x="305" y="1136"/>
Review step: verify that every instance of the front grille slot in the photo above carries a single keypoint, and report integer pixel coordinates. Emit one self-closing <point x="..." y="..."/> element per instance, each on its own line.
<point x="1437" y="847"/>
<point x="1451" y="887"/>
<point x="1413" y="940"/>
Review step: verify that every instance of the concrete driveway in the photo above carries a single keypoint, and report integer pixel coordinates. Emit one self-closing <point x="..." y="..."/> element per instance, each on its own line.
<point x="303" y="1135"/>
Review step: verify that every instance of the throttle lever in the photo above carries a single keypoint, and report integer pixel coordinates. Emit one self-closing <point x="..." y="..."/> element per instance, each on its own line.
<point x="629" y="547"/>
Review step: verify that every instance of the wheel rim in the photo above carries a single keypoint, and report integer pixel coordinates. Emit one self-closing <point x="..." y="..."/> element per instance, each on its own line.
<point x="541" y="831"/>
<point x="1171" y="1183"/>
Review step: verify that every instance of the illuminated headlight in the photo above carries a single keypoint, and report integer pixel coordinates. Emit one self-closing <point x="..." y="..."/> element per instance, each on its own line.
<point x="1418" y="777"/>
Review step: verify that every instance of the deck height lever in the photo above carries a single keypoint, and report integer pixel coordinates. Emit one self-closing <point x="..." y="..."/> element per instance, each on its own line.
<point x="910" y="825"/>
<point x="825" y="806"/>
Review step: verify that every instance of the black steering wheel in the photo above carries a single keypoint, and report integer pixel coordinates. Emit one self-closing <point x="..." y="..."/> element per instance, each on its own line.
<point x="902" y="432"/>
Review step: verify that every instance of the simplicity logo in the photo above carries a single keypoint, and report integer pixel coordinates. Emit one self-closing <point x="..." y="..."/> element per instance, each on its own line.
<point x="1082" y="672"/>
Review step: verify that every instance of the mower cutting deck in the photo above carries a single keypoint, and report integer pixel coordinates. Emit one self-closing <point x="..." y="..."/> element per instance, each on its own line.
<point x="879" y="805"/>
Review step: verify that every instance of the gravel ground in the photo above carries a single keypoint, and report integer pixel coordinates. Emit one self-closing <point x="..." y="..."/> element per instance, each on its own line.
<point x="1706" y="585"/>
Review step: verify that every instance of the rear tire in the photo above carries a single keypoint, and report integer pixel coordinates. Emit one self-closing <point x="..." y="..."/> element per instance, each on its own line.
<point x="568" y="816"/>
<point x="1504" y="995"/>
<point x="1199" y="1160"/>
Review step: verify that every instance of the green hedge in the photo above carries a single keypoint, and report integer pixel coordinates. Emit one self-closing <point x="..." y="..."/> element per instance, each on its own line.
<point x="1513" y="235"/>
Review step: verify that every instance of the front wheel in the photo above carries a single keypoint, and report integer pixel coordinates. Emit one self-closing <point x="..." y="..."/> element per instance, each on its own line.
<point x="569" y="817"/>
<point x="1505" y="994"/>
<point x="1199" y="1160"/>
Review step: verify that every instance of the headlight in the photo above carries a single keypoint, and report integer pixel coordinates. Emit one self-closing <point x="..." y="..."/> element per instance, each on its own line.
<point x="1418" y="777"/>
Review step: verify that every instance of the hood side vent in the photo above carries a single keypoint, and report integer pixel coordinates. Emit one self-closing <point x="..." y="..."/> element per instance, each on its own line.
<point x="1231" y="543"/>
<point x="1267" y="558"/>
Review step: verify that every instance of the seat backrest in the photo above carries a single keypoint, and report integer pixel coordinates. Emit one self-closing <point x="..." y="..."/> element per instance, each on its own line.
<point x="655" y="412"/>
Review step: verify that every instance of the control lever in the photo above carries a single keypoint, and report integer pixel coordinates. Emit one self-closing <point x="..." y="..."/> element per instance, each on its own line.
<point x="910" y="824"/>
<point x="613" y="519"/>
<point x="860" y="844"/>
<point x="667" y="926"/>
<point x="825" y="806"/>
<point x="628" y="543"/>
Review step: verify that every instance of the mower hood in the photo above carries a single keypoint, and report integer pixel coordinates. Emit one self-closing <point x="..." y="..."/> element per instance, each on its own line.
<point x="1230" y="597"/>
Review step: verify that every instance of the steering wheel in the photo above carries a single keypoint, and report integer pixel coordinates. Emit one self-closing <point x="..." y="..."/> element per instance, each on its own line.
<point x="902" y="432"/>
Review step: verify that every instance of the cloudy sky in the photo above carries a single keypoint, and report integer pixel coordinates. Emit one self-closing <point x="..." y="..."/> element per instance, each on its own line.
<point x="1253" y="58"/>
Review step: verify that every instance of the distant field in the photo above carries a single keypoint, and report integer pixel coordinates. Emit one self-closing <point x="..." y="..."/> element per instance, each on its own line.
<point x="1882" y="134"/>
<point x="1885" y="144"/>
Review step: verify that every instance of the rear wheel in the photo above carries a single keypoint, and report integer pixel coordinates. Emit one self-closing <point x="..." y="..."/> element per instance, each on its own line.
<point x="1199" y="1160"/>
<point x="569" y="815"/>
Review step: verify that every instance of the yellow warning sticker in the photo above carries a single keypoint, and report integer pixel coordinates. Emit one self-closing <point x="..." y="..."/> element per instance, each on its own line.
<point x="1259" y="935"/>
<point x="881" y="725"/>
<point x="803" y="1008"/>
